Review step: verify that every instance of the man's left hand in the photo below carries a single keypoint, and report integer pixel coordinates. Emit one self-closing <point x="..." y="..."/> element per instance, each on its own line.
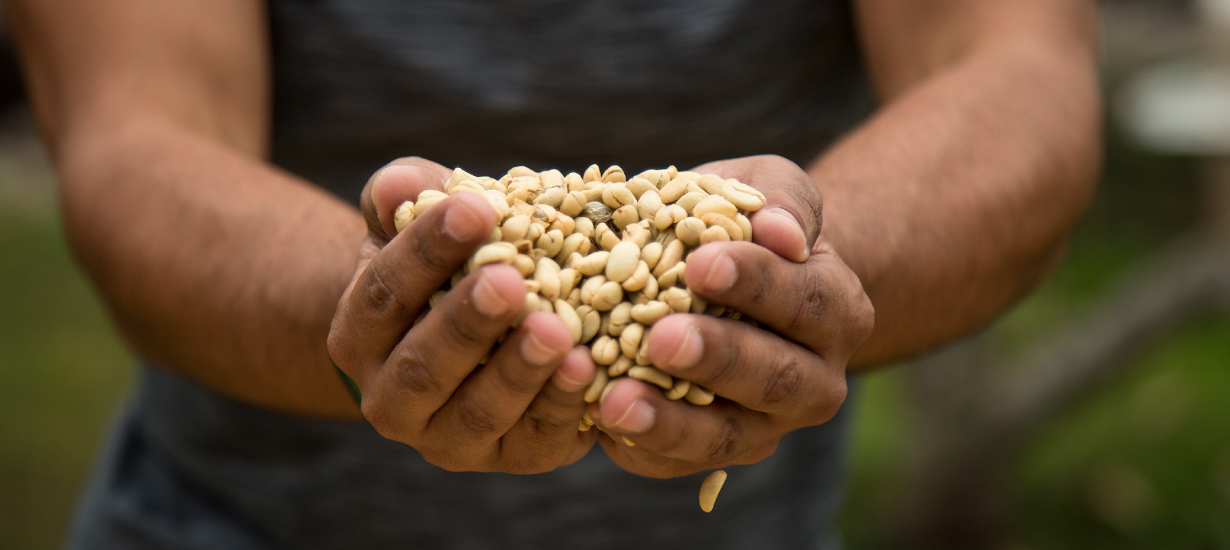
<point x="770" y="380"/>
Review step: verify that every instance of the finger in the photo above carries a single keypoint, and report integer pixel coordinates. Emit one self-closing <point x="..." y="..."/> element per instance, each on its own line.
<point x="437" y="355"/>
<point x="818" y="303"/>
<point x="719" y="433"/>
<point x="548" y="429"/>
<point x="495" y="396"/>
<point x="752" y="367"/>
<point x="790" y="220"/>
<point x="377" y="310"/>
<point x="398" y="181"/>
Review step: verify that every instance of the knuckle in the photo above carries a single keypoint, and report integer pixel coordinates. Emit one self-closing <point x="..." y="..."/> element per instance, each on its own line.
<point x="378" y="296"/>
<point x="378" y="415"/>
<point x="546" y="427"/>
<point x="516" y="378"/>
<point x="429" y="255"/>
<point x="831" y="401"/>
<point x="784" y="382"/>
<point x="477" y="421"/>
<point x="340" y="344"/>
<point x="412" y="372"/>
<point x="463" y="333"/>
<point x="726" y="444"/>
<point x="813" y="300"/>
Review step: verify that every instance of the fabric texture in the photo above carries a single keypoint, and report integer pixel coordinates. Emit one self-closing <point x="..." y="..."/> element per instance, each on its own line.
<point x="488" y="85"/>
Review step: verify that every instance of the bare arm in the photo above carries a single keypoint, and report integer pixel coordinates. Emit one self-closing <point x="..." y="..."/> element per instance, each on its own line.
<point x="958" y="196"/>
<point x="212" y="262"/>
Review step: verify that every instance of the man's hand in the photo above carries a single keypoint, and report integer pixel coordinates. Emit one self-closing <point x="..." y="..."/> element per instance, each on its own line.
<point x="770" y="381"/>
<point x="420" y="381"/>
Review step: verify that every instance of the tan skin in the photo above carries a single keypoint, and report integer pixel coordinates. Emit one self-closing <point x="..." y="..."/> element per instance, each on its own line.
<point x="941" y="210"/>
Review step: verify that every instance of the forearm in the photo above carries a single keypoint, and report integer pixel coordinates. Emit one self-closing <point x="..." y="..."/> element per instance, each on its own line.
<point x="957" y="197"/>
<point x="213" y="264"/>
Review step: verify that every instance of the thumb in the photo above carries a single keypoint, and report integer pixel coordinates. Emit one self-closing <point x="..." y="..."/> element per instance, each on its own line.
<point x="397" y="182"/>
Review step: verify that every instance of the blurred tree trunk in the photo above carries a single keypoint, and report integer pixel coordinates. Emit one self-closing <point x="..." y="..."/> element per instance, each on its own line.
<point x="974" y="409"/>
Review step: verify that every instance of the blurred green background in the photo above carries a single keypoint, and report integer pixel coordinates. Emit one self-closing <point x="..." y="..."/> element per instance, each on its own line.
<point x="1141" y="462"/>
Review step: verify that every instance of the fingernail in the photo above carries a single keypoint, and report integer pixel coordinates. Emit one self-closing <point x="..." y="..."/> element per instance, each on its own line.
<point x="722" y="274"/>
<point x="689" y="351"/>
<point x="461" y="222"/>
<point x="566" y="383"/>
<point x="487" y="300"/>
<point x="537" y="353"/>
<point x="638" y="418"/>
<point x="803" y="251"/>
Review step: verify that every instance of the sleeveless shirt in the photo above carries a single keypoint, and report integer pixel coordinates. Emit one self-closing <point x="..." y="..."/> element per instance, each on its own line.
<point x="487" y="85"/>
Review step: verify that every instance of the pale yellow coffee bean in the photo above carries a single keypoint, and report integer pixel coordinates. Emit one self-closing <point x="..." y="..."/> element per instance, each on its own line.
<point x="651" y="375"/>
<point x="689" y="231"/>
<point x="457" y="175"/>
<point x="677" y="298"/>
<point x="582" y="426"/>
<point x="745" y="188"/>
<point x="695" y="187"/>
<point x="500" y="252"/>
<point x="468" y="186"/>
<point x="616" y="195"/>
<point x="673" y="190"/>
<point x="498" y="202"/>
<point x="672" y="253"/>
<point x="714" y="234"/>
<point x="689" y="201"/>
<point x="586" y="247"/>
<point x="545" y="214"/>
<point x="614" y="174"/>
<point x="639" y="186"/>
<point x="564" y="223"/>
<point x="427" y="199"/>
<point x="584" y="226"/>
<point x="574" y="181"/>
<point x="590" y="288"/>
<point x="569" y="315"/>
<point x="593" y="264"/>
<point x="595" y="388"/>
<point x="532" y="286"/>
<point x="623" y="261"/>
<point x="608" y="240"/>
<point x="642" y="353"/>
<point x="593" y="173"/>
<point x="715" y="310"/>
<point x="698" y="396"/>
<point x="535" y="231"/>
<point x="626" y="215"/>
<point x="650" y="253"/>
<point x="519" y="171"/>
<point x="627" y="441"/>
<point x="649" y="312"/>
<point x="604" y="350"/>
<point x="677" y="213"/>
<point x="590" y="320"/>
<point x="698" y="304"/>
<point x="494" y="236"/>
<point x="618" y="368"/>
<point x="403" y="216"/>
<point x="678" y="390"/>
<point x="546" y="272"/>
<point x="436" y="297"/>
<point x="648" y="205"/>
<point x="652" y="176"/>
<point x="630" y="339"/>
<point x="742" y="201"/>
<point x="524" y="264"/>
<point x="714" y="203"/>
<point x="568" y="279"/>
<point x="553" y="197"/>
<point x="651" y="288"/>
<point x="572" y="243"/>
<point x="745" y="225"/>
<point x="637" y="234"/>
<point x="709" y="489"/>
<point x="672" y="276"/>
<point x="621" y="315"/>
<point x="551" y="242"/>
<point x="551" y="178"/>
<point x="573" y="203"/>
<point x="638" y="279"/>
<point x="515" y="228"/>
<point x="545" y="306"/>
<point x="662" y="219"/>
<point x="608" y="296"/>
<point x="733" y="231"/>
<point x="711" y="183"/>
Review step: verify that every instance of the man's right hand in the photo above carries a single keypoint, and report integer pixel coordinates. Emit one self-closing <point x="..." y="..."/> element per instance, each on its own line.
<point x="421" y="382"/>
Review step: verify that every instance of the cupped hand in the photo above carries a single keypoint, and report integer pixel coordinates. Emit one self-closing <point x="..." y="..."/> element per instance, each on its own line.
<point x="421" y="381"/>
<point x="786" y="374"/>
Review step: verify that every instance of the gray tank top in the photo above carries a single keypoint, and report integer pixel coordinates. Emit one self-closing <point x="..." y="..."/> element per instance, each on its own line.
<point x="488" y="85"/>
